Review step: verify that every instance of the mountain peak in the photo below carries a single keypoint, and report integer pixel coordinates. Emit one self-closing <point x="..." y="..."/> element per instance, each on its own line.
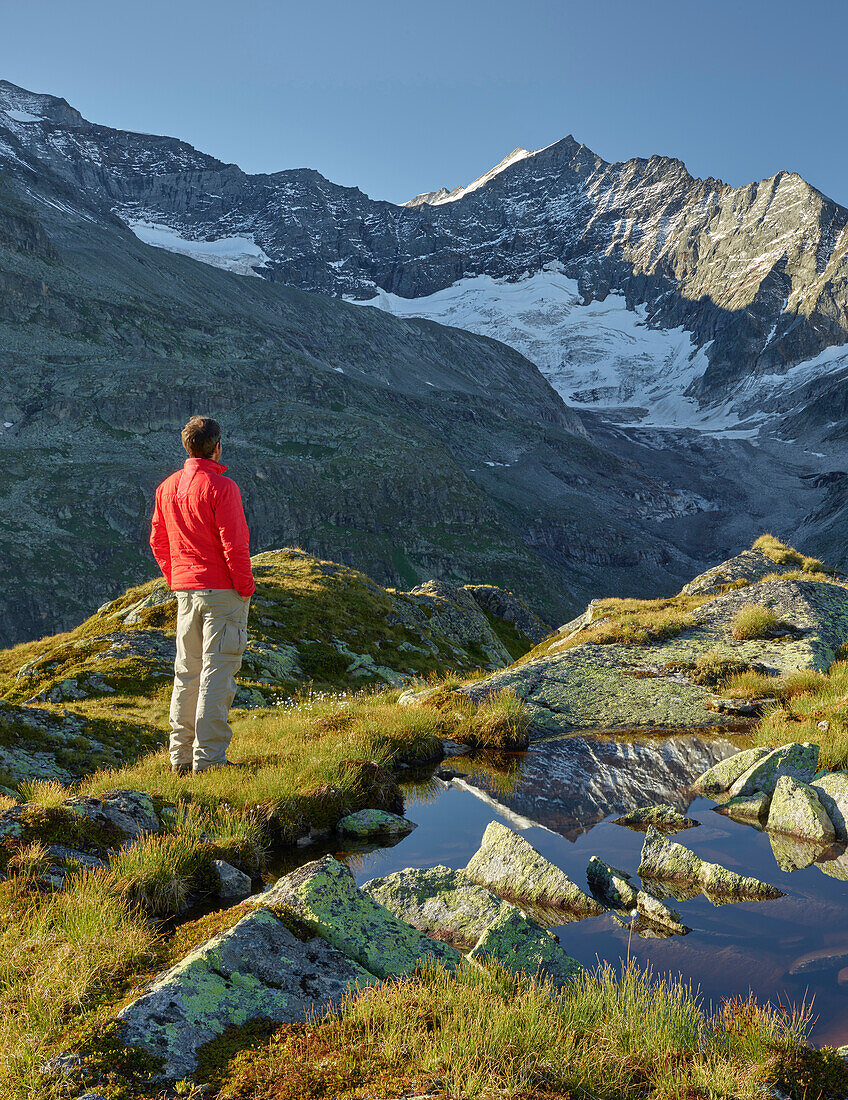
<point x="24" y="106"/>
<point x="438" y="198"/>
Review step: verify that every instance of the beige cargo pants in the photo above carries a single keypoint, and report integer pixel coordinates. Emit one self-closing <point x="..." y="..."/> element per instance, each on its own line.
<point x="211" y="637"/>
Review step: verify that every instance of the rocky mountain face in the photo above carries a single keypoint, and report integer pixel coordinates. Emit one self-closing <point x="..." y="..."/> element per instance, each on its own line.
<point x="755" y="276"/>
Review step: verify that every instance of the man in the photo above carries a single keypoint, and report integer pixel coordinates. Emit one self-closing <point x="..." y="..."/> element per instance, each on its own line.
<point x="200" y="540"/>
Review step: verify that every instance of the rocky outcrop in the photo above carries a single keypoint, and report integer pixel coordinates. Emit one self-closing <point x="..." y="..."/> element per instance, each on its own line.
<point x="510" y="867"/>
<point x="441" y="902"/>
<point x="721" y="776"/>
<point x="797" y="810"/>
<point x="568" y="683"/>
<point x="256" y="970"/>
<point x="667" y="861"/>
<point x="324" y="897"/>
<point x="131" y="812"/>
<point x="524" y="948"/>
<point x="832" y="791"/>
<point x="750" y="565"/>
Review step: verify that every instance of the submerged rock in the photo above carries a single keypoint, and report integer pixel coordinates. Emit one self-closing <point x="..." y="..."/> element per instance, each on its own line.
<point x="746" y="807"/>
<point x="721" y="776"/>
<point x="439" y="901"/>
<point x="664" y="817"/>
<point x="325" y="897"/>
<point x="609" y="885"/>
<point x="509" y="866"/>
<point x="375" y="825"/>
<point x="796" y="760"/>
<point x="797" y="810"/>
<point x="832" y="791"/>
<point x="257" y="969"/>
<point x="667" y="860"/>
<point x="521" y="946"/>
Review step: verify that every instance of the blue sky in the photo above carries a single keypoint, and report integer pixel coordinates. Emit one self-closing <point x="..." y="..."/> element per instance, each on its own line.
<point x="398" y="97"/>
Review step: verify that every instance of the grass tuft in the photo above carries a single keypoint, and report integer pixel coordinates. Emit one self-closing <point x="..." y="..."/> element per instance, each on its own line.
<point x="48" y="793"/>
<point x="782" y="554"/>
<point x="753" y="621"/>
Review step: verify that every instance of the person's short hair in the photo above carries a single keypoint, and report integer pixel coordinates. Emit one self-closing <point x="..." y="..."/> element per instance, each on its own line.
<point x="201" y="436"/>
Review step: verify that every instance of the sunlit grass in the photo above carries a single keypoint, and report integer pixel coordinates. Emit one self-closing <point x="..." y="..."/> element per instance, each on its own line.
<point x="753" y="621"/>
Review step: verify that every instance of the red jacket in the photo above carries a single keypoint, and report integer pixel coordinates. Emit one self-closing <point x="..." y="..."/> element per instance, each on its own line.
<point x="199" y="534"/>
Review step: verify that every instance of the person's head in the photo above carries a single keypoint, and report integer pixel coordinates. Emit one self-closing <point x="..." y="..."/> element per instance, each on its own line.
<point x="202" y="437"/>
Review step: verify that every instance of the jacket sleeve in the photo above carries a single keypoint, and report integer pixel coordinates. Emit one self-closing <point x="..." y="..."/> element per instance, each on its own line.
<point x="159" y="542"/>
<point x="234" y="536"/>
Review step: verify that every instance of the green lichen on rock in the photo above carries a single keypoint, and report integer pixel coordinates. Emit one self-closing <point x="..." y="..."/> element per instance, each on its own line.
<point x="667" y="861"/>
<point x="746" y="807"/>
<point x="522" y="946"/>
<point x="794" y="854"/>
<point x="256" y="969"/>
<point x="375" y="825"/>
<point x="440" y="902"/>
<point x="666" y="818"/>
<point x="721" y="776"/>
<point x="510" y="867"/>
<point x="797" y="811"/>
<point x="796" y="760"/>
<point x="609" y="885"/>
<point x="832" y="791"/>
<point x="325" y="897"/>
<point x="656" y="911"/>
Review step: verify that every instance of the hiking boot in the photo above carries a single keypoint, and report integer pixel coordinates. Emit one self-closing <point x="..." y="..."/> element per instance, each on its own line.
<point x="181" y="769"/>
<point x="223" y="764"/>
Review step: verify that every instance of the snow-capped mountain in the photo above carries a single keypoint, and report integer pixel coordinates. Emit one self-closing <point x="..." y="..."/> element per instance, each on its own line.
<point x="629" y="284"/>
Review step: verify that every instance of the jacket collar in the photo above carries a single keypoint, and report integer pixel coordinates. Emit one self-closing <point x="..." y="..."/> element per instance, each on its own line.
<point x="194" y="464"/>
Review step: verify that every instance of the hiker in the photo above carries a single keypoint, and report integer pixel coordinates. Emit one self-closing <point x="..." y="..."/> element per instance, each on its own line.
<point x="200" y="540"/>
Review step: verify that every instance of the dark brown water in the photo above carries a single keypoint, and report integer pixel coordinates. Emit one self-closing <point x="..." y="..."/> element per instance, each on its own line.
<point x="562" y="796"/>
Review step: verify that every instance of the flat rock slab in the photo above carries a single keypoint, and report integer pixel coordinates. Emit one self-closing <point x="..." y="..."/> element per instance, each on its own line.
<point x="666" y="860"/>
<point x="665" y="818"/>
<point x="257" y="969"/>
<point x="324" y="896"/>
<point x="798" y="760"/>
<point x="721" y="776"/>
<point x="522" y="946"/>
<point x="510" y="867"/>
<point x="440" y="902"/>
<point x="375" y="825"/>
<point x="610" y="886"/>
<point x="797" y="811"/>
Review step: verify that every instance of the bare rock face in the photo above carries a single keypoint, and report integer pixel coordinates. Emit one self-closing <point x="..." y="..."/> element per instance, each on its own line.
<point x="257" y="969"/>
<point x="509" y="866"/>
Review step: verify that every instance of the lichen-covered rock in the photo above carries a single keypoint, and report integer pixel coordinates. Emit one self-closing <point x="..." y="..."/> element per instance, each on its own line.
<point x="438" y="901"/>
<point x="658" y="912"/>
<point x="130" y="811"/>
<point x="375" y="825"/>
<point x="325" y="897"/>
<point x="510" y="867"/>
<point x="609" y="885"/>
<point x="796" y="760"/>
<point x="522" y="946"/>
<point x="257" y="969"/>
<point x="797" y="810"/>
<point x="746" y="807"/>
<point x="10" y="822"/>
<point x="233" y="884"/>
<point x="666" y="818"/>
<point x="792" y="853"/>
<point x="832" y="790"/>
<point x="750" y="565"/>
<point x="721" y="776"/>
<point x="666" y="860"/>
